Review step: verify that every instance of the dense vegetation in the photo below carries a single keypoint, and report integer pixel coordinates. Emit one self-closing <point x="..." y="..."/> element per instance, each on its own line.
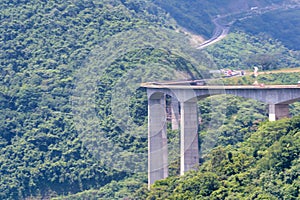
<point x="243" y="51"/>
<point x="264" y="166"/>
<point x="287" y="31"/>
<point x="196" y="16"/>
<point x="42" y="45"/>
<point x="53" y="53"/>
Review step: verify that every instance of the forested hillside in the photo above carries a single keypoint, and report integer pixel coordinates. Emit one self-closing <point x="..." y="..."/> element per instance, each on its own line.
<point x="286" y="31"/>
<point x="43" y="45"/>
<point x="243" y="51"/>
<point x="279" y="22"/>
<point x="73" y="118"/>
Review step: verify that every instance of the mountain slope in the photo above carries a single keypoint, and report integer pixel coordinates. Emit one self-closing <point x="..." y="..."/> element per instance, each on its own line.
<point x="278" y="21"/>
<point x="64" y="107"/>
<point x="72" y="116"/>
<point x="43" y="45"/>
<point x="282" y="25"/>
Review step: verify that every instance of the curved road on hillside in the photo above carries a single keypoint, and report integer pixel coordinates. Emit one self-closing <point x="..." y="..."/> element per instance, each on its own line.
<point x="222" y="29"/>
<point x="219" y="33"/>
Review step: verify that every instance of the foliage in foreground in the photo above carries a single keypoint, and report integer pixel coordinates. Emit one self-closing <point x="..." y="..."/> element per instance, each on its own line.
<point x="265" y="166"/>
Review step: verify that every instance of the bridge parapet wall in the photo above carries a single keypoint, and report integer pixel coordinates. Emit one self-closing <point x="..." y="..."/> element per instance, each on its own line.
<point x="265" y="95"/>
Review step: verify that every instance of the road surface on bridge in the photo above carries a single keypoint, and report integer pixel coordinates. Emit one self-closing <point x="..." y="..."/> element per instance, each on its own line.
<point x="185" y="85"/>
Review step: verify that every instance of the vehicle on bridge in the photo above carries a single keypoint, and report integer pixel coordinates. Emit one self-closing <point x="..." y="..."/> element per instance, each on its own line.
<point x="184" y="82"/>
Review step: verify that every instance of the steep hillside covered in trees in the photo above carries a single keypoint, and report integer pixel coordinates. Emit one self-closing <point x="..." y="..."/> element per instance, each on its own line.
<point x="53" y="53"/>
<point x="43" y="44"/>
<point x="282" y="25"/>
<point x="280" y="21"/>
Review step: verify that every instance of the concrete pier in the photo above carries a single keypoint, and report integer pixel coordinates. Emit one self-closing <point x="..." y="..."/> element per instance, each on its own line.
<point x="157" y="139"/>
<point x="278" y="111"/>
<point x="189" y="152"/>
<point x="175" y="113"/>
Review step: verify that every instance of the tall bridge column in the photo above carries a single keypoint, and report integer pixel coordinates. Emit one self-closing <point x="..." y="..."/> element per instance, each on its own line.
<point x="175" y="113"/>
<point x="278" y="111"/>
<point x="189" y="148"/>
<point x="157" y="139"/>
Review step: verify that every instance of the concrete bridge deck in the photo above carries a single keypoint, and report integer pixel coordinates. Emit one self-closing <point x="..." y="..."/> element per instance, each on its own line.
<point x="185" y="95"/>
<point x="186" y="85"/>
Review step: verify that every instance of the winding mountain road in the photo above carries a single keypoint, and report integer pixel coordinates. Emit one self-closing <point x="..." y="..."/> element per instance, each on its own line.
<point x="219" y="33"/>
<point x="222" y="27"/>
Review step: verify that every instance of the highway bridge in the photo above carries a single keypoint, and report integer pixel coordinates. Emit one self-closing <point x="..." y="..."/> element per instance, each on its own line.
<point x="186" y="94"/>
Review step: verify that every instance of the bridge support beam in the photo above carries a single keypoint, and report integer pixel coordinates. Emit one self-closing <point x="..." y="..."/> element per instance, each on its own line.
<point x="189" y="155"/>
<point x="189" y="147"/>
<point x="157" y="139"/>
<point x="278" y="111"/>
<point x="175" y="113"/>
